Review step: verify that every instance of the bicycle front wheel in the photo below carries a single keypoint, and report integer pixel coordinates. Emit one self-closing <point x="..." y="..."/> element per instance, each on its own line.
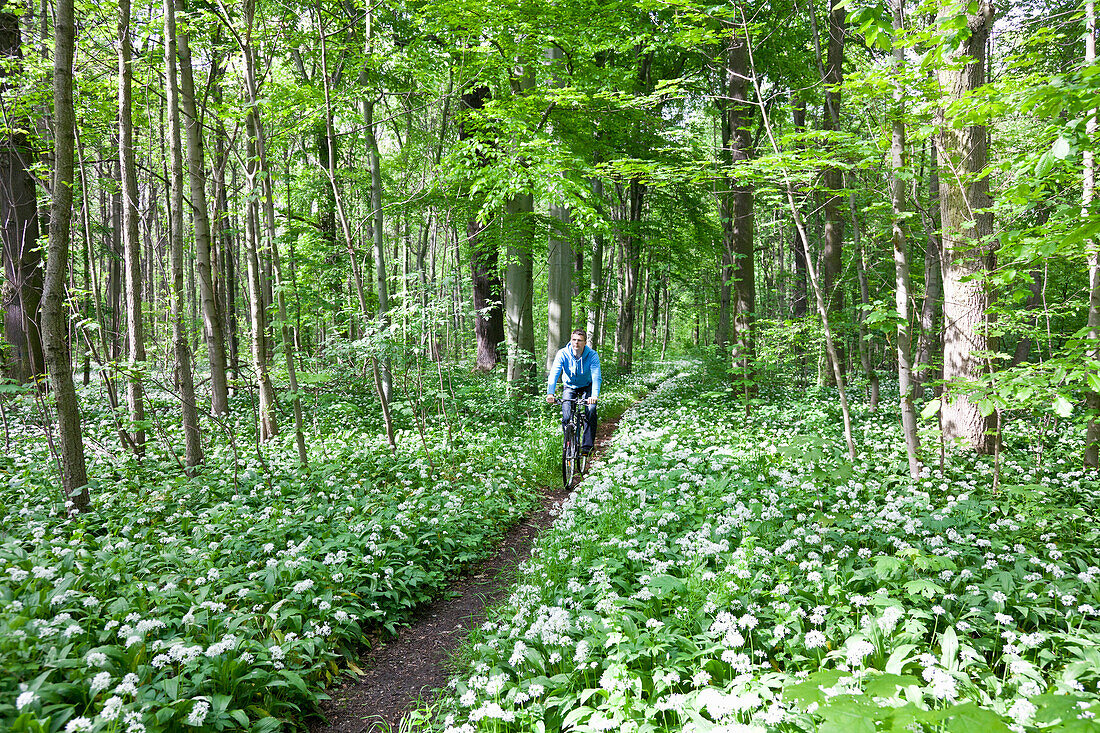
<point x="569" y="452"/>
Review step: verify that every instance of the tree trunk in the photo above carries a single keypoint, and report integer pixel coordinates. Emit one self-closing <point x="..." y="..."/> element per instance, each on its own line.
<point x="488" y="313"/>
<point x="1092" y="432"/>
<point x="21" y="293"/>
<point x="131" y="246"/>
<point x="631" y="202"/>
<point x="192" y="438"/>
<point x="596" y="282"/>
<point x="268" y="425"/>
<point x="865" y="300"/>
<point x="74" y="475"/>
<point x="196" y="166"/>
<point x="929" y="341"/>
<point x="901" y="258"/>
<point x="519" y="289"/>
<point x="833" y="244"/>
<point x="967" y="226"/>
<point x="736" y="205"/>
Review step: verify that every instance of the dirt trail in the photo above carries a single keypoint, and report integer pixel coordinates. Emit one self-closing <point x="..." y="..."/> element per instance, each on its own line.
<point x="406" y="669"/>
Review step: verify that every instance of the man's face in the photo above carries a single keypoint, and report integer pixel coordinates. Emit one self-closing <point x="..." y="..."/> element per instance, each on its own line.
<point x="578" y="343"/>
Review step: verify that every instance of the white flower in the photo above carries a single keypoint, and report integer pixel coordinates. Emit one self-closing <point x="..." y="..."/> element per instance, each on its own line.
<point x="303" y="585"/>
<point x="25" y="699"/>
<point x="111" y="709"/>
<point x="815" y="639"/>
<point x="78" y="725"/>
<point x="857" y="650"/>
<point x="95" y="659"/>
<point x="1022" y="711"/>
<point x="198" y="712"/>
<point x="100" y="682"/>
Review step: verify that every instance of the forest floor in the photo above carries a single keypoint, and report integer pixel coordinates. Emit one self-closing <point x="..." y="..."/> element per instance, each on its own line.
<point x="400" y="674"/>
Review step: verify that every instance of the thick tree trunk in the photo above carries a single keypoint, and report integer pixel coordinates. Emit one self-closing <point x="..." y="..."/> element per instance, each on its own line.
<point x="74" y="475"/>
<point x="799" y="301"/>
<point x="488" y="310"/>
<point x="192" y="438"/>
<point x="204" y="262"/>
<point x="131" y="246"/>
<point x="21" y="293"/>
<point x="519" y="288"/>
<point x="736" y="204"/>
<point x="967" y="225"/>
<point x="559" y="286"/>
<point x="901" y="257"/>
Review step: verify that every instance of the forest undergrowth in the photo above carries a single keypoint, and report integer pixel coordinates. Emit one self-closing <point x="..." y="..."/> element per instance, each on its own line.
<point x="229" y="600"/>
<point x="729" y="573"/>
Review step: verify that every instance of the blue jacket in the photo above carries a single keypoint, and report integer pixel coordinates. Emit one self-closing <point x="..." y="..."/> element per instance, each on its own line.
<point x="575" y="373"/>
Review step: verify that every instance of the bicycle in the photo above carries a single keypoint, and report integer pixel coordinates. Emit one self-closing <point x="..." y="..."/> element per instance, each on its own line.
<point x="574" y="461"/>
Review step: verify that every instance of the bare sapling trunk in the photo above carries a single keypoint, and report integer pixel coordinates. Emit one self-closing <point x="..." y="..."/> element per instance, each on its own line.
<point x="1092" y="433"/>
<point x="865" y="300"/>
<point x="74" y="474"/>
<point x="901" y="259"/>
<point x="929" y="339"/>
<point x="131" y="246"/>
<point x="196" y="167"/>
<point x="181" y="346"/>
<point x="796" y="215"/>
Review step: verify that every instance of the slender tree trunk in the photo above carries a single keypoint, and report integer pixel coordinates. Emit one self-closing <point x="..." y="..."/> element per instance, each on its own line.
<point x="1092" y="432"/>
<point x="131" y="245"/>
<point x="967" y="226"/>
<point x="559" y="286"/>
<point x="21" y="293"/>
<point x="631" y="247"/>
<point x="865" y="300"/>
<point x="268" y="426"/>
<point x="191" y="436"/>
<point x="901" y="259"/>
<point x="596" y="283"/>
<point x="818" y="291"/>
<point x="74" y="475"/>
<point x="196" y="166"/>
<point x="930" y="335"/>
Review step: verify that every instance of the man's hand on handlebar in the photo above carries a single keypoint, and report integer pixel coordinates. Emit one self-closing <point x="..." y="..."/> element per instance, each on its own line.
<point x="551" y="399"/>
<point x="591" y="400"/>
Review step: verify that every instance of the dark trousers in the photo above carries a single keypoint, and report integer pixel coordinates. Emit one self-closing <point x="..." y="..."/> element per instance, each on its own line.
<point x="581" y="393"/>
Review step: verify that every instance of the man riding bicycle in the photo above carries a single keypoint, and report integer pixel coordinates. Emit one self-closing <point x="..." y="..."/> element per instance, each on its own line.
<point x="579" y="368"/>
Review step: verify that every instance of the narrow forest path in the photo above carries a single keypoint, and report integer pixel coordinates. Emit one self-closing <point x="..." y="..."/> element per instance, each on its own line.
<point x="401" y="672"/>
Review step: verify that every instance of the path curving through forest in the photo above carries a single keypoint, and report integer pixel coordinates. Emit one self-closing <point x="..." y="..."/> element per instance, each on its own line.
<point x="401" y="673"/>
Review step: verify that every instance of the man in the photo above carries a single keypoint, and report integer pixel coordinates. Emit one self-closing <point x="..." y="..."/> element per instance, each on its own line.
<point x="579" y="368"/>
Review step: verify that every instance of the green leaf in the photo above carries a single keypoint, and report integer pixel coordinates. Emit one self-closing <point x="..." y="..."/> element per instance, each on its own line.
<point x="1062" y="406"/>
<point x="930" y="409"/>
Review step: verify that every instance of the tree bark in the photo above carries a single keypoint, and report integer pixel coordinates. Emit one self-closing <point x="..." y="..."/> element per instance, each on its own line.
<point x="192" y="438"/>
<point x="736" y="204"/>
<point x="204" y="262"/>
<point x="967" y="226"/>
<point x="21" y="293"/>
<point x="929" y="341"/>
<point x="631" y="200"/>
<point x="1092" y="432"/>
<point x="901" y="258"/>
<point x="833" y="243"/>
<point x="488" y="311"/>
<point x="74" y="475"/>
<point x="131" y="246"/>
